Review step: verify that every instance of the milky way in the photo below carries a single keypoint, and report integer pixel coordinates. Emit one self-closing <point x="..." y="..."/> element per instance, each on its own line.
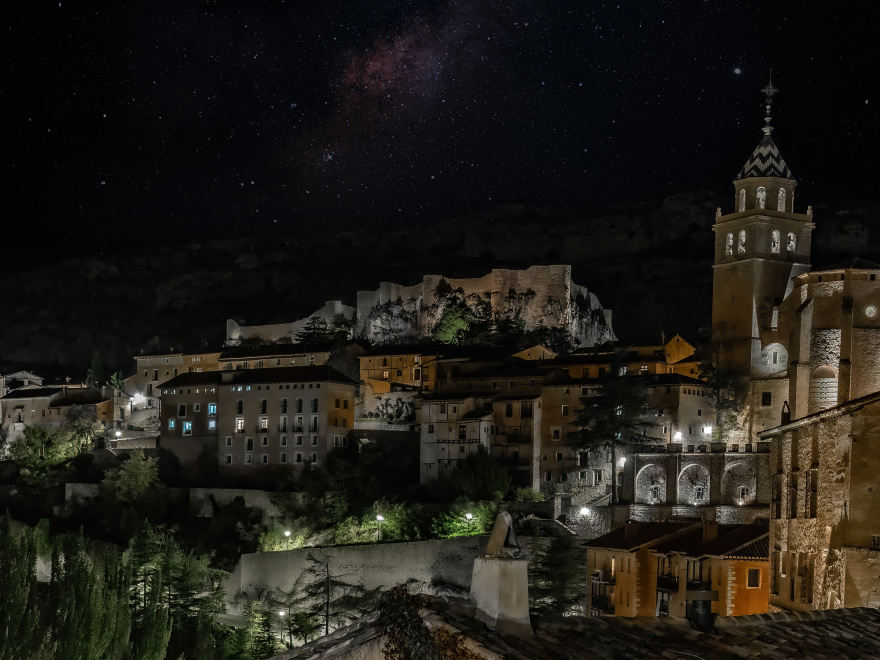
<point x="178" y="119"/>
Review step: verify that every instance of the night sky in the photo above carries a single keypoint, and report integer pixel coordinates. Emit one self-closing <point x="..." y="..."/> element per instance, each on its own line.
<point x="179" y="120"/>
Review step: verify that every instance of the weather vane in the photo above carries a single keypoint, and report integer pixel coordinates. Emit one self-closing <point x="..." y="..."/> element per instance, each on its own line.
<point x="769" y="91"/>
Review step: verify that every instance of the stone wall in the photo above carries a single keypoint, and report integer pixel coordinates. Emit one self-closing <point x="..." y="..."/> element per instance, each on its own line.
<point x="436" y="566"/>
<point x="284" y="332"/>
<point x="540" y="295"/>
<point x="203" y="500"/>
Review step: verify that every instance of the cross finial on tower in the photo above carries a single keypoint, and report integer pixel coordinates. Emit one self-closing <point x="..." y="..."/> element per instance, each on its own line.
<point x="769" y="91"/>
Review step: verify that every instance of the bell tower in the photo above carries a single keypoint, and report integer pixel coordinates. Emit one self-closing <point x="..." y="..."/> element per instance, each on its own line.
<point x="759" y="248"/>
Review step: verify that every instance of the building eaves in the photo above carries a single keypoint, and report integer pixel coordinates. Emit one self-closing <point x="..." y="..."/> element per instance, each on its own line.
<point x="829" y="413"/>
<point x="646" y="533"/>
<point x="33" y="393"/>
<point x="320" y="373"/>
<point x="271" y="350"/>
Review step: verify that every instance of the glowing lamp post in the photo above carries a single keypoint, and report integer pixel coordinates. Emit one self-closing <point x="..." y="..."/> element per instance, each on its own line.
<point x="469" y="517"/>
<point x="585" y="511"/>
<point x="380" y="519"/>
<point x="287" y="535"/>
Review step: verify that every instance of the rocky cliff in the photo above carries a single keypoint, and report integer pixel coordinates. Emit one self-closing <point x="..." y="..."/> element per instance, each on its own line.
<point x="650" y="263"/>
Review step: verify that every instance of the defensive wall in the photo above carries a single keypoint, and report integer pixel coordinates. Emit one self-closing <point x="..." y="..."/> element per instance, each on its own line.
<point x="443" y="565"/>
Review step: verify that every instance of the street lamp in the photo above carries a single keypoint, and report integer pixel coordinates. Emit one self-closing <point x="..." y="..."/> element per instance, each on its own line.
<point x="380" y="518"/>
<point x="287" y="534"/>
<point x="585" y="511"/>
<point x="281" y="632"/>
<point x="469" y="517"/>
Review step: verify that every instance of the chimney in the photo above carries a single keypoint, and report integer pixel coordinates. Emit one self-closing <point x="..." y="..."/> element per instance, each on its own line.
<point x="710" y="530"/>
<point x="631" y="529"/>
<point x="500" y="582"/>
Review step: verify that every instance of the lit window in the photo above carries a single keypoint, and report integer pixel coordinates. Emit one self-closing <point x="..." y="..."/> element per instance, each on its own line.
<point x="212" y="424"/>
<point x="171" y="423"/>
<point x="212" y="410"/>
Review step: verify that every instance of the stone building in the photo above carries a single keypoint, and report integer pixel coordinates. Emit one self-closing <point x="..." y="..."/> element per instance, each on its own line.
<point x="256" y="426"/>
<point x="825" y="508"/>
<point x="151" y="371"/>
<point x="49" y="407"/>
<point x="807" y="343"/>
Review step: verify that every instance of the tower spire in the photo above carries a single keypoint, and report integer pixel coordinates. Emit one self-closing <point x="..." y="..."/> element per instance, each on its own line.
<point x="769" y="91"/>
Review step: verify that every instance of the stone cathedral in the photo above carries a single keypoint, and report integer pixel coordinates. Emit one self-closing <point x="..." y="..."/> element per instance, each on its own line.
<point x="808" y="343"/>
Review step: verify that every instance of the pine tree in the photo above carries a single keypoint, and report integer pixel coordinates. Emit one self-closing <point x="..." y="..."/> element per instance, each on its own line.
<point x="557" y="577"/>
<point x="616" y="417"/>
<point x="21" y="631"/>
<point x="333" y="601"/>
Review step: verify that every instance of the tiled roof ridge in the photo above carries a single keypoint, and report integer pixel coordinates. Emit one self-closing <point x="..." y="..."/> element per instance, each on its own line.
<point x="765" y="161"/>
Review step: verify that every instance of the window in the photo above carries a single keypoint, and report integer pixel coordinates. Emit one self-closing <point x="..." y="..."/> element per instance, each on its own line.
<point x="212" y="424"/>
<point x="743" y="494"/>
<point x="239" y="407"/>
<point x="462" y="432"/>
<point x="741" y="247"/>
<point x="248" y="458"/>
<point x="228" y="459"/>
<point x="239" y="424"/>
<point x="430" y="428"/>
<point x="597" y="477"/>
<point x="780" y="200"/>
<point x="283" y="440"/>
<point x="766" y="398"/>
<point x="299" y="440"/>
<point x="442" y="408"/>
<point x="548" y="476"/>
<point x="284" y="457"/>
<point x="556" y="433"/>
<point x="699" y="493"/>
<point x="791" y="242"/>
<point x="508" y="410"/>
<point x="181" y="410"/>
<point x="283" y="406"/>
<point x="228" y="442"/>
<point x="336" y="403"/>
<point x="742" y="199"/>
<point x="559" y="456"/>
<point x="212" y="410"/>
<point x="264" y="441"/>
<point x="345" y="404"/>
<point x="385" y="374"/>
<point x="754" y="578"/>
<point x="313" y="457"/>
<point x="728" y="245"/>
<point x="298" y="457"/>
<point x="249" y="444"/>
<point x="314" y="441"/>
<point x="774" y="241"/>
<point x="565" y="411"/>
<point x="170" y="424"/>
<point x="264" y="458"/>
<point x="197" y="407"/>
<point x="762" y="197"/>
<point x="264" y="423"/>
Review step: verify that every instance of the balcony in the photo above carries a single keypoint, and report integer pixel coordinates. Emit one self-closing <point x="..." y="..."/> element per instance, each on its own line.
<point x="700" y="590"/>
<point x="259" y="428"/>
<point x="604" y="577"/>
<point x="667" y="582"/>
<point x="602" y="604"/>
<point x="239" y="431"/>
<point x="282" y="428"/>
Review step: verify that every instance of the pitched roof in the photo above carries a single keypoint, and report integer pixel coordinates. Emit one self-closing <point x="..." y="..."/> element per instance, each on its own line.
<point x="639" y="535"/>
<point x="846" y="633"/>
<point x="33" y="393"/>
<point x="271" y="350"/>
<point x="319" y="373"/>
<point x="765" y="161"/>
<point x="856" y="263"/>
<point x="741" y="541"/>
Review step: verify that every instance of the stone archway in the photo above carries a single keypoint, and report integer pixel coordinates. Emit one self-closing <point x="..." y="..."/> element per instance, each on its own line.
<point x="738" y="484"/>
<point x="651" y="484"/>
<point x="693" y="485"/>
